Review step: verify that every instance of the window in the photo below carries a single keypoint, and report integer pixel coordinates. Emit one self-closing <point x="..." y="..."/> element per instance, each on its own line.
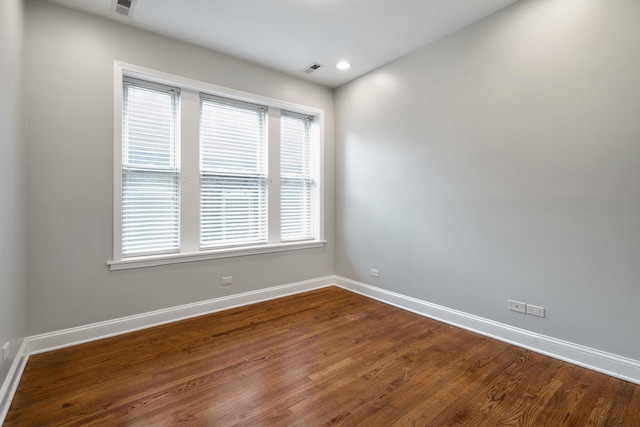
<point x="296" y="178"/>
<point x="150" y="169"/>
<point x="233" y="180"/>
<point x="205" y="172"/>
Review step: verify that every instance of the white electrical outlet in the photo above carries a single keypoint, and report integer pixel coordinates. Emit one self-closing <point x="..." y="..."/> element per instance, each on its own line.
<point x="535" y="310"/>
<point x="227" y="280"/>
<point x="5" y="351"/>
<point x="518" y="306"/>
<point x="375" y="272"/>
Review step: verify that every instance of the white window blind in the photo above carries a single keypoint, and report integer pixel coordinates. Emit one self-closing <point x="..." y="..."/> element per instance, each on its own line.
<point x="233" y="180"/>
<point x="150" y="169"/>
<point x="297" y="184"/>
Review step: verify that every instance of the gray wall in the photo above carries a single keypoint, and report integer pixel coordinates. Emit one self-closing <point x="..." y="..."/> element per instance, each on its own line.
<point x="504" y="162"/>
<point x="13" y="286"/>
<point x="69" y="94"/>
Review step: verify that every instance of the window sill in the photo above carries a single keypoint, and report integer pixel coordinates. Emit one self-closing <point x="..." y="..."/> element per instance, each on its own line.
<point x="155" y="260"/>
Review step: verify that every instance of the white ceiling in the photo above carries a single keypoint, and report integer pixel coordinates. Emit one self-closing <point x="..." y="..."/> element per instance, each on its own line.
<point x="288" y="35"/>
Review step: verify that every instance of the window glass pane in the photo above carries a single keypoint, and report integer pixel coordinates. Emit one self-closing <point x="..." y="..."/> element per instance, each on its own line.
<point x="233" y="184"/>
<point x="233" y="210"/>
<point x="149" y="212"/>
<point x="150" y="170"/>
<point x="296" y="191"/>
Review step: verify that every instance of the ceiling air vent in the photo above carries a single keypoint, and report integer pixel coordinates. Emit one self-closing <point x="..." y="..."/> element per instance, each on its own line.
<point x="123" y="7"/>
<point x="311" y="68"/>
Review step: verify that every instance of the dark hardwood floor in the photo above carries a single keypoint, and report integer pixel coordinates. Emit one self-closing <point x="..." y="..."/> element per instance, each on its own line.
<point x="323" y="357"/>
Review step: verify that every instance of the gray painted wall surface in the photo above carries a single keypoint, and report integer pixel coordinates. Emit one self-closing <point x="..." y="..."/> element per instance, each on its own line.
<point x="504" y="162"/>
<point x="13" y="285"/>
<point x="69" y="92"/>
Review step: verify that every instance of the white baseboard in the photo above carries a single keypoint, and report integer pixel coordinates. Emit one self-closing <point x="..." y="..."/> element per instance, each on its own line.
<point x="10" y="384"/>
<point x="607" y="363"/>
<point x="600" y="361"/>
<point x="95" y="331"/>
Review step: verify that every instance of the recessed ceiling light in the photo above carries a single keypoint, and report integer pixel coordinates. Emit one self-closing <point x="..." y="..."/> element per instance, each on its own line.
<point x="343" y="65"/>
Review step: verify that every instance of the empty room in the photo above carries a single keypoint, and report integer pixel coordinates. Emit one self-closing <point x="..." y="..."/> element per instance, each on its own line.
<point x="318" y="212"/>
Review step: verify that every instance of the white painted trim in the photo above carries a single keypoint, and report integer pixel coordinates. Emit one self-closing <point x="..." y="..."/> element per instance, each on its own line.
<point x="596" y="360"/>
<point x="10" y="384"/>
<point x="161" y="77"/>
<point x="606" y="363"/>
<point x="189" y="239"/>
<point x="155" y="260"/>
<point x="95" y="331"/>
<point x="274" y="121"/>
<point x="117" y="159"/>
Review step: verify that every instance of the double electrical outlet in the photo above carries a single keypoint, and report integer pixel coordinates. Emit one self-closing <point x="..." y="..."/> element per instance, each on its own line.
<point x="522" y="307"/>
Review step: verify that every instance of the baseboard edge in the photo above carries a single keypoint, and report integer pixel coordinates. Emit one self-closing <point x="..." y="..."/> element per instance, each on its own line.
<point x="10" y="384"/>
<point x="596" y="360"/>
<point x="68" y="337"/>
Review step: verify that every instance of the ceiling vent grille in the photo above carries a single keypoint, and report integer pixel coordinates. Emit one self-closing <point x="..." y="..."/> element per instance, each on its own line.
<point x="311" y="68"/>
<point x="123" y="7"/>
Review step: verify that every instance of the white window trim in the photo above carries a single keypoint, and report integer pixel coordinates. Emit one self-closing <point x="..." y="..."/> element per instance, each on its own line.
<point x="155" y="260"/>
<point x="189" y="251"/>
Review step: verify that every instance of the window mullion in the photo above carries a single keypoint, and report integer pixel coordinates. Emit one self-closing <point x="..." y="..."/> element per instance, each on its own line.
<point x="190" y="175"/>
<point x="273" y="168"/>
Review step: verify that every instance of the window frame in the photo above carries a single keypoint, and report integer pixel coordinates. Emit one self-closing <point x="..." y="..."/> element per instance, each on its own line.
<point x="305" y="177"/>
<point x="235" y="173"/>
<point x="189" y="177"/>
<point x="133" y="168"/>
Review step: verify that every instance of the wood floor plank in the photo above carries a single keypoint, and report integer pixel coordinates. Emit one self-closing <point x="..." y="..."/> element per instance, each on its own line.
<point x="599" y="414"/>
<point x="564" y="401"/>
<point x="620" y="403"/>
<point x="325" y="357"/>
<point x="631" y="414"/>
<point x="433" y="386"/>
